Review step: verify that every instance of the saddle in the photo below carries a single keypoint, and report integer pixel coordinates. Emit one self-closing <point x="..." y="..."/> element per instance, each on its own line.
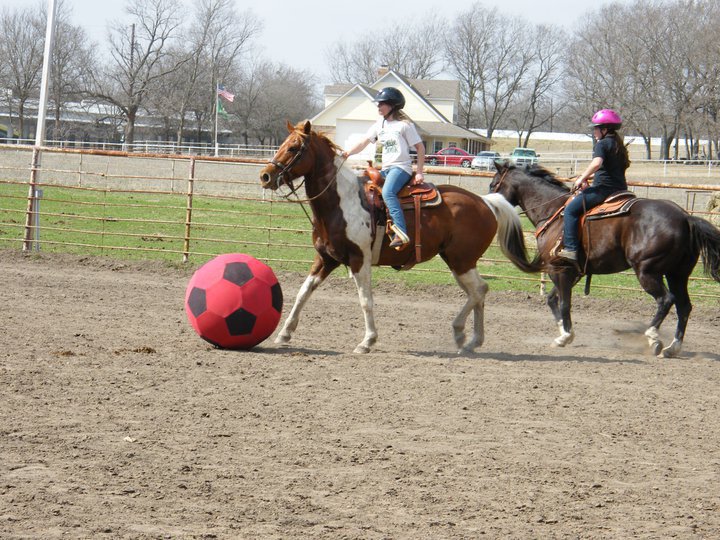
<point x="615" y="205"/>
<point x="412" y="197"/>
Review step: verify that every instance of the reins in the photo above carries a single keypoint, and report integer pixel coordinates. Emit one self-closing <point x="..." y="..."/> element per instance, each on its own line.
<point x="525" y="212"/>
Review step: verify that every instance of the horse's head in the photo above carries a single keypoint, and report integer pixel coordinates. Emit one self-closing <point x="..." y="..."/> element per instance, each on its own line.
<point x="294" y="158"/>
<point x="501" y="182"/>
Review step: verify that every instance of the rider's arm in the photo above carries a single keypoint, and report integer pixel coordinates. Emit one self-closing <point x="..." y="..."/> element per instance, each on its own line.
<point x="582" y="180"/>
<point x="355" y="149"/>
<point x="420" y="148"/>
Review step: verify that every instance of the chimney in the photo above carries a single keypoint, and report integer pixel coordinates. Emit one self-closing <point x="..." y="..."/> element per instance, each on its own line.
<point x="382" y="70"/>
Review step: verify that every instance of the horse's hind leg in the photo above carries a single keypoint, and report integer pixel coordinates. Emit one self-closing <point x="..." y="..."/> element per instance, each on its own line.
<point x="653" y="285"/>
<point x="320" y="270"/>
<point x="683" y="307"/>
<point x="476" y="288"/>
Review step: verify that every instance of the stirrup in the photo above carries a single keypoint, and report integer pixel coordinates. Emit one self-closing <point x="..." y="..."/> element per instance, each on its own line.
<point x="400" y="239"/>
<point x="397" y="242"/>
<point x="568" y="255"/>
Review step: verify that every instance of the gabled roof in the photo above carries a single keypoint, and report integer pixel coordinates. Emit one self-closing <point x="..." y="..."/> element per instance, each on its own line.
<point x="428" y="88"/>
<point x="446" y="129"/>
<point x="422" y="89"/>
<point x="410" y="88"/>
<point x="349" y="89"/>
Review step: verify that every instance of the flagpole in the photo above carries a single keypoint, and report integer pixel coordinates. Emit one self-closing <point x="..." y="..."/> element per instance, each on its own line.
<point x="217" y="97"/>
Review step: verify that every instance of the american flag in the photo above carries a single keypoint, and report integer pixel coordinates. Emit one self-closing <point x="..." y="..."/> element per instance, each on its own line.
<point x="224" y="93"/>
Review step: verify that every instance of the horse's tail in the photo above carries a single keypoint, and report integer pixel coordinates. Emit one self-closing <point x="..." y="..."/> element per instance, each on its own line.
<point x="706" y="241"/>
<point x="510" y="233"/>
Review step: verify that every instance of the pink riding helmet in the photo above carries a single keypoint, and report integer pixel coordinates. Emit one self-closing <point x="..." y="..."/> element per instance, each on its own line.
<point x="607" y="118"/>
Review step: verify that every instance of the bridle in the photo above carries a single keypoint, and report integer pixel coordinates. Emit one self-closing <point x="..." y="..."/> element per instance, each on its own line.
<point x="283" y="175"/>
<point x="285" y="169"/>
<point x="502" y="177"/>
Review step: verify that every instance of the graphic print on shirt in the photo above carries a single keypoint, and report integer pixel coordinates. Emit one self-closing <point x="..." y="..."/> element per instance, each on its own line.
<point x="391" y="145"/>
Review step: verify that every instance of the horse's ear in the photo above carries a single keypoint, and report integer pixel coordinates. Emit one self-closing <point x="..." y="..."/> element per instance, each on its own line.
<point x="307" y="127"/>
<point x="500" y="164"/>
<point x="290" y="127"/>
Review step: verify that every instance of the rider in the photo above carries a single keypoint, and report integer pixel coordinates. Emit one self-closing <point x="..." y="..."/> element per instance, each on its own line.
<point x="397" y="134"/>
<point x="610" y="160"/>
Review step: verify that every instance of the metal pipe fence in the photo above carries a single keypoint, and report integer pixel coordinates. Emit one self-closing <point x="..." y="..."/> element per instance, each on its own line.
<point x="191" y="208"/>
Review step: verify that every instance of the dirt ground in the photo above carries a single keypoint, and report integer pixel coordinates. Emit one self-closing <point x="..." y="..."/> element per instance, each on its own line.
<point x="117" y="421"/>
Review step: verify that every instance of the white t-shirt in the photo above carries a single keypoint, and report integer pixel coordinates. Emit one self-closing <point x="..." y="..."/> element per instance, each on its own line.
<point x="396" y="137"/>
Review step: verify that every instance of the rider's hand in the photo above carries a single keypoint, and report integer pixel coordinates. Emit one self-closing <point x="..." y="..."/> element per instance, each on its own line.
<point x="419" y="178"/>
<point x="580" y="184"/>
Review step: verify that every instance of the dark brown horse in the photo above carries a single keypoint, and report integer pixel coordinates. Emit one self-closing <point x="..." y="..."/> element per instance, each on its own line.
<point x="655" y="238"/>
<point x="459" y="230"/>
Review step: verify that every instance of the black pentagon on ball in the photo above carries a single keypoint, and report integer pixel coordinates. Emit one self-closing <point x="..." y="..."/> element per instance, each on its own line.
<point x="240" y="322"/>
<point x="277" y="297"/>
<point x="238" y="273"/>
<point x="196" y="301"/>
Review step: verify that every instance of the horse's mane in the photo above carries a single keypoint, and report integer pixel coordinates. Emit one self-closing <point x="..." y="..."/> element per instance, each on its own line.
<point x="541" y="173"/>
<point x="325" y="139"/>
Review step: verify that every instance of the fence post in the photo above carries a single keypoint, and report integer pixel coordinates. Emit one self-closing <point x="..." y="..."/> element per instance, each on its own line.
<point x="188" y="211"/>
<point x="31" y="221"/>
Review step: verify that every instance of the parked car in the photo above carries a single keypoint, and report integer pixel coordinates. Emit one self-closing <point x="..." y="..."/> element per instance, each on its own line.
<point x="452" y="156"/>
<point x="524" y="156"/>
<point x="485" y="160"/>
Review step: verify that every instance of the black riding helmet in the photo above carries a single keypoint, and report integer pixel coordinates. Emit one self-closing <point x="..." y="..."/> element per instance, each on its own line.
<point x="391" y="95"/>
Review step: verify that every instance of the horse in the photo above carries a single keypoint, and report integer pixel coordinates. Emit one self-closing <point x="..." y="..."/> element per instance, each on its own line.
<point x="459" y="229"/>
<point x="656" y="238"/>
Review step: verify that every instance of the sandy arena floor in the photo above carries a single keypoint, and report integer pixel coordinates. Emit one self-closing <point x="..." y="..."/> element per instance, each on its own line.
<point x="117" y="421"/>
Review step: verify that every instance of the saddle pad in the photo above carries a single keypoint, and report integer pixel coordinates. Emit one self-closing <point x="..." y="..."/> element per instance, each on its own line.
<point x="616" y="205"/>
<point x="431" y="198"/>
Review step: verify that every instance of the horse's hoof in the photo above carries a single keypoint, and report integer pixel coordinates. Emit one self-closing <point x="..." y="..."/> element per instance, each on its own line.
<point x="459" y="339"/>
<point x="565" y="339"/>
<point x="362" y="349"/>
<point x="656" y="348"/>
<point x="672" y="350"/>
<point x="282" y="340"/>
<point x="468" y="350"/>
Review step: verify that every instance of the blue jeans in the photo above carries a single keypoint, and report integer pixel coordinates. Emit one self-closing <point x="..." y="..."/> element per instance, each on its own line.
<point x="585" y="200"/>
<point x="395" y="179"/>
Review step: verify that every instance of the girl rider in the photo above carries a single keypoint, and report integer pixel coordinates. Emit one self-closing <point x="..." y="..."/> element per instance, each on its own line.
<point x="610" y="160"/>
<point x="397" y="134"/>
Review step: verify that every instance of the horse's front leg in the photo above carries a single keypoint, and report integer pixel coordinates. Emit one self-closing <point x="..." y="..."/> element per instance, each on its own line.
<point x="363" y="281"/>
<point x="320" y="270"/>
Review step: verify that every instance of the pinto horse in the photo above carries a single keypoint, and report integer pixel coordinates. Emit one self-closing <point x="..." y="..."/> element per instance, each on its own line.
<point x="460" y="229"/>
<point x="655" y="238"/>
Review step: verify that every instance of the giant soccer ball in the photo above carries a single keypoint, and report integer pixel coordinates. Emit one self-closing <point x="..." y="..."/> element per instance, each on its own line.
<point x="234" y="301"/>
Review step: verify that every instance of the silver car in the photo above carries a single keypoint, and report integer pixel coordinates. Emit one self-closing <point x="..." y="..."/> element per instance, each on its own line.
<point x="485" y="160"/>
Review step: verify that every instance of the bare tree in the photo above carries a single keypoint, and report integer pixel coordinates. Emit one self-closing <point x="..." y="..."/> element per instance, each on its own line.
<point x="490" y="55"/>
<point x="218" y="45"/>
<point x="137" y="51"/>
<point x="637" y="58"/>
<point x="21" y="54"/>
<point x="706" y="63"/>
<point x="412" y="49"/>
<point x="539" y="101"/>
<point x="285" y="95"/>
<point x="72" y="64"/>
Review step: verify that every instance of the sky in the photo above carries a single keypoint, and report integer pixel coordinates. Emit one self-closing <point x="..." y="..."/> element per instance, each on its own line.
<point x="298" y="33"/>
